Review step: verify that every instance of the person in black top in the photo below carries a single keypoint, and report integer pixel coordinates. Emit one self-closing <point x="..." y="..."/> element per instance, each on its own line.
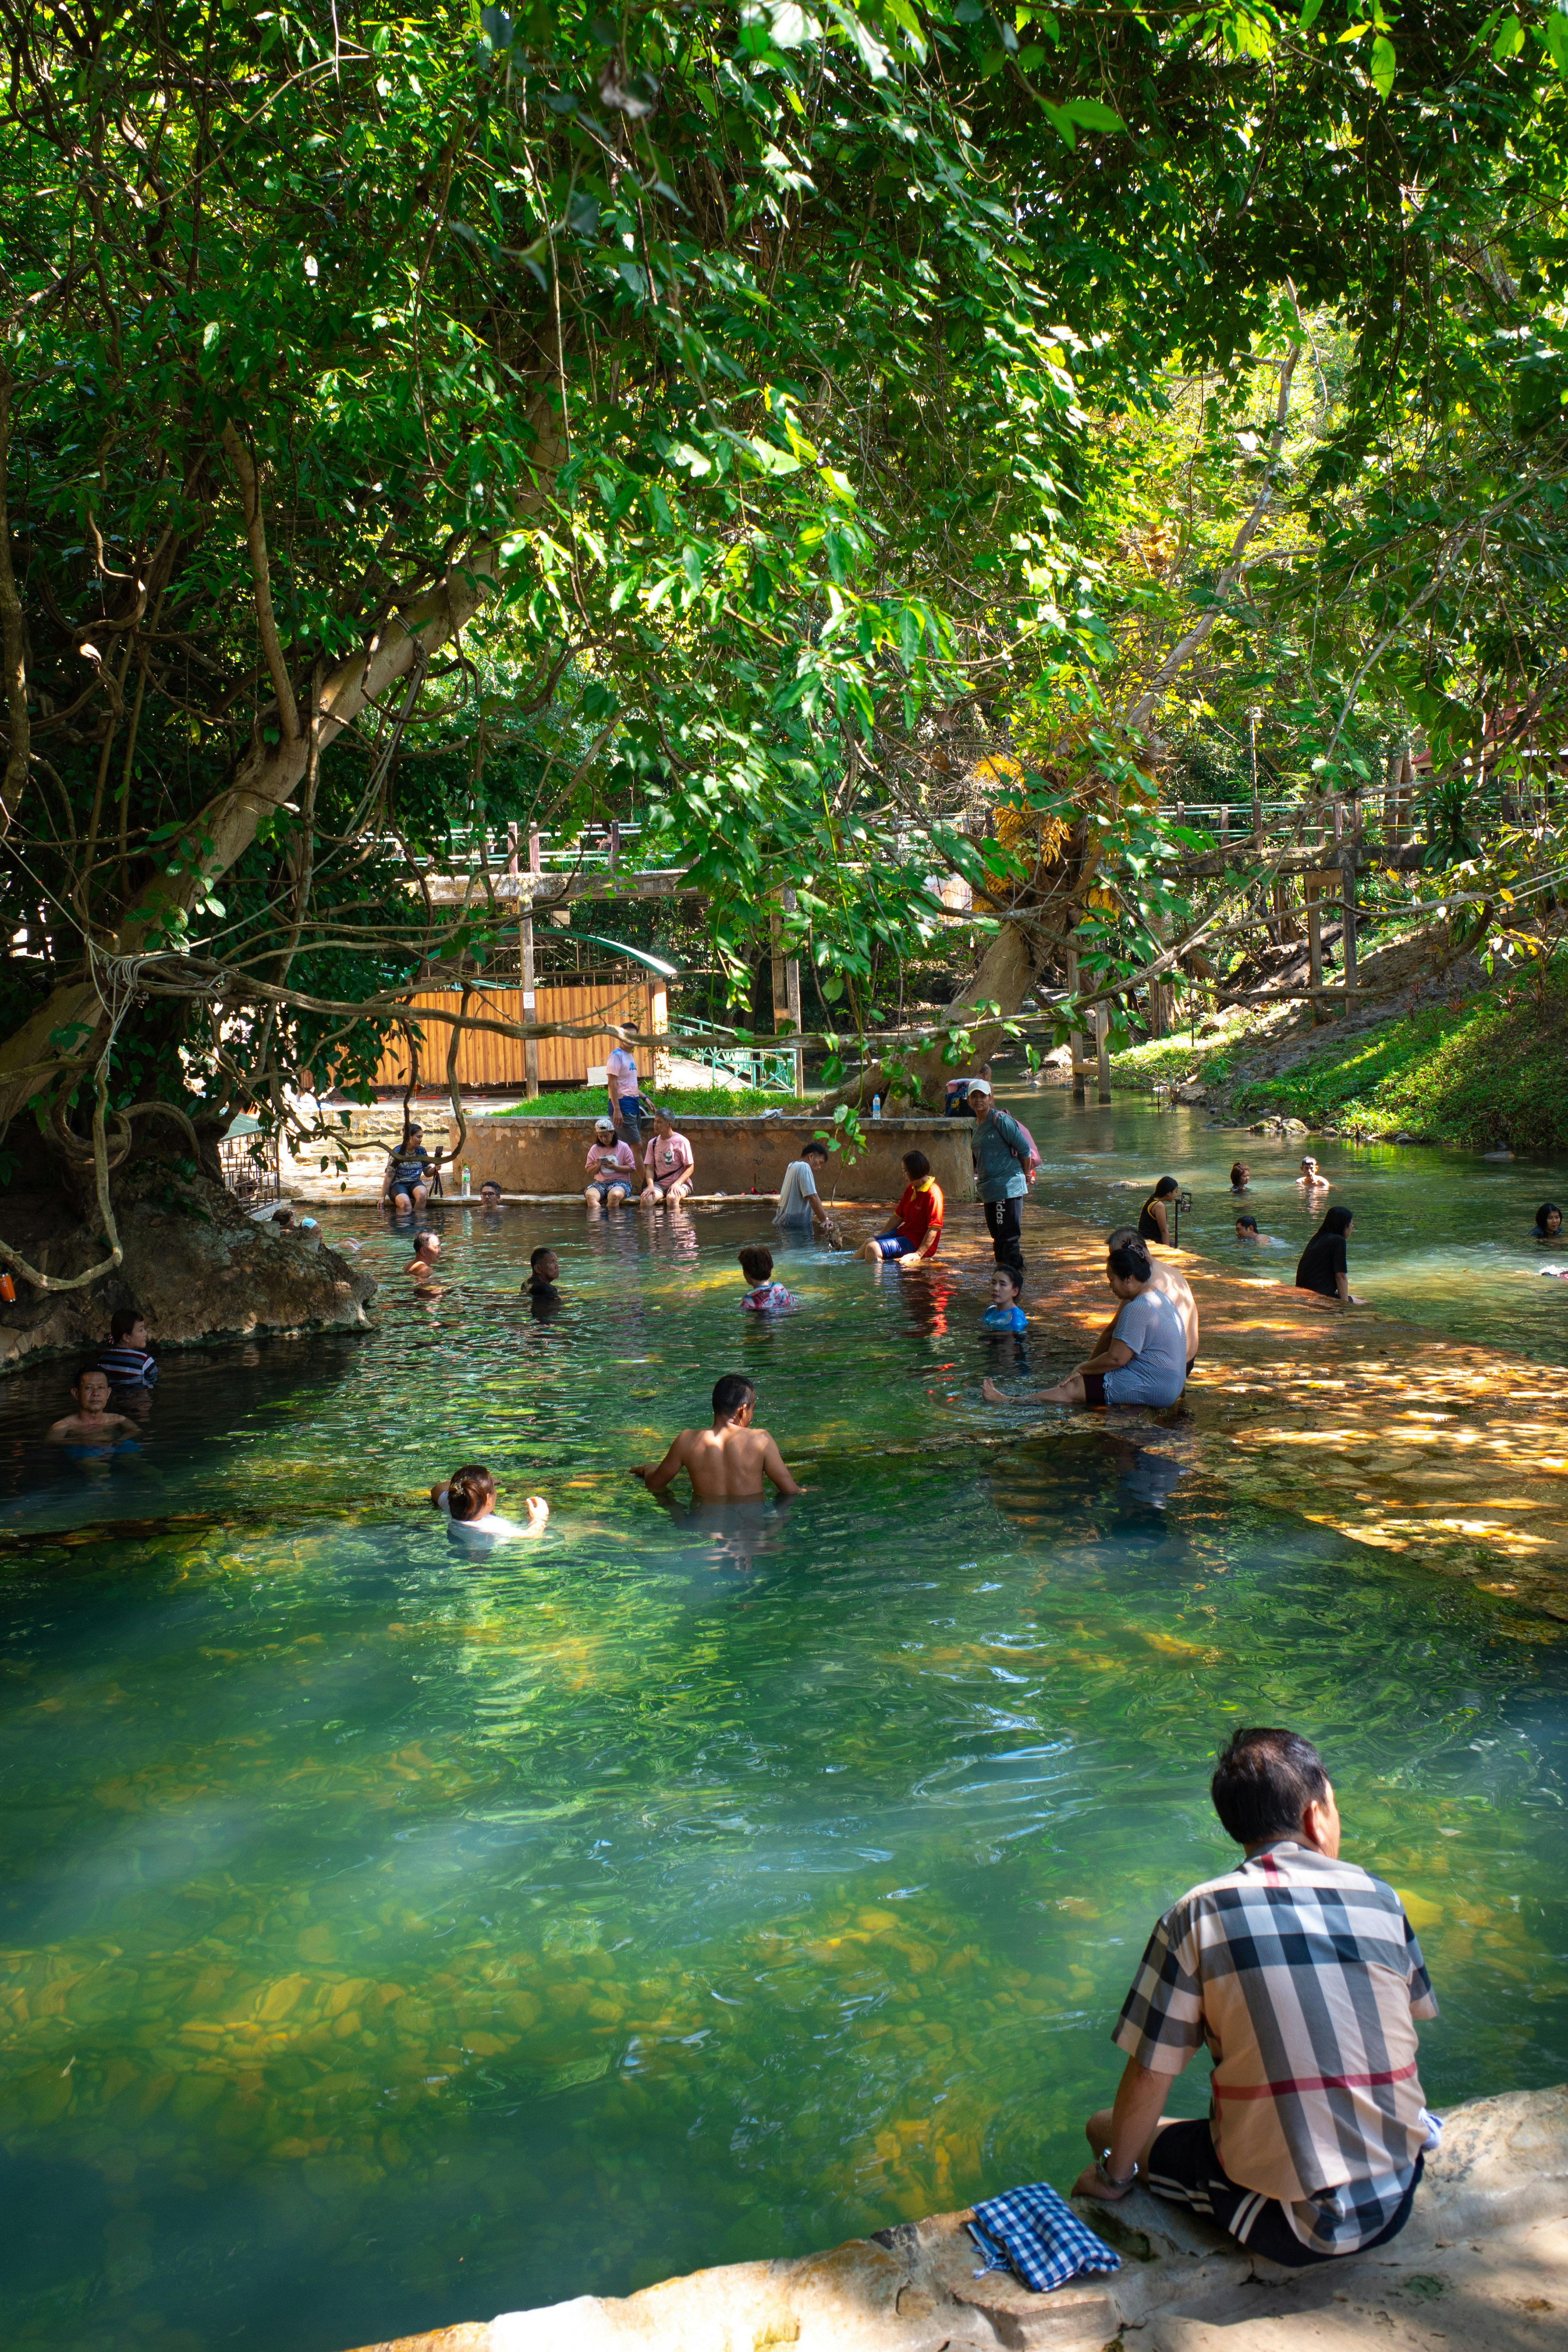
<point x="1322" y="1267"/>
<point x="1154" y="1217"/>
<point x="1548" y="1223"/>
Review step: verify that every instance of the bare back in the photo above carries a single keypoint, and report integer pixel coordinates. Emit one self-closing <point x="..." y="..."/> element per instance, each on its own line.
<point x="724" y="1466"/>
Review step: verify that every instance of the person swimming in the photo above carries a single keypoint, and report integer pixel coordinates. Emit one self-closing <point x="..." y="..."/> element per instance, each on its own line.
<point x="422" y="1265"/>
<point x="1155" y="1216"/>
<point x="1311" y="1179"/>
<point x="1246" y="1230"/>
<point x="1547" y="1226"/>
<point x="1241" y="1175"/>
<point x="91" y="1424"/>
<point x="766" y="1296"/>
<point x="543" y="1272"/>
<point x="728" y="1461"/>
<point x="468" y="1499"/>
<point x="1006" y="1311"/>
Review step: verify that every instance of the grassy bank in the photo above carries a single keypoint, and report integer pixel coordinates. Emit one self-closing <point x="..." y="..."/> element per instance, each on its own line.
<point x="682" y="1102"/>
<point x="1484" y="1072"/>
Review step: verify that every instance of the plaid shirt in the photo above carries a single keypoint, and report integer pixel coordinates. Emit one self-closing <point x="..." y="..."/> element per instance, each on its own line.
<point x="1304" y="1978"/>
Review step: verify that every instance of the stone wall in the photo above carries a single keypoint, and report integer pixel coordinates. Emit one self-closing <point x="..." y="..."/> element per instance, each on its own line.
<point x="542" y="1155"/>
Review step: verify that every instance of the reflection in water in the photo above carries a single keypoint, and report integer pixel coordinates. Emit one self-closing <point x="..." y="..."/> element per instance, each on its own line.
<point x="700" y="1884"/>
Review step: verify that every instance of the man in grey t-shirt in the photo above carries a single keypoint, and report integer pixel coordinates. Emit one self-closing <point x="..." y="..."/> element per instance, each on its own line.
<point x="1144" y="1359"/>
<point x="799" y="1203"/>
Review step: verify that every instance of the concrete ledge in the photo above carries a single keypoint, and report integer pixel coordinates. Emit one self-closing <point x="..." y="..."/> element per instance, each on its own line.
<point x="735" y="1157"/>
<point x="1481" y="2266"/>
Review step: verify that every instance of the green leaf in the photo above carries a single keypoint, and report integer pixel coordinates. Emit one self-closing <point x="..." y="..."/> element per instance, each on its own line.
<point x="1384" y="65"/>
<point x="1556" y="36"/>
<point x="1510" y="40"/>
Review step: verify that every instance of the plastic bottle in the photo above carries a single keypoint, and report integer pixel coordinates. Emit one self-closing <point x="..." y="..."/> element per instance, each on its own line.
<point x="876" y="1105"/>
<point x="468" y="1185"/>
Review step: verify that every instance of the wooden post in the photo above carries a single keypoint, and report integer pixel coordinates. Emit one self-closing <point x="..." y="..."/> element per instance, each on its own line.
<point x="1102" y="1048"/>
<point x="659" y="1016"/>
<point x="792" y="994"/>
<point x="525" y="941"/>
<point x="1350" y="836"/>
<point x="1391" y="768"/>
<point x="1313" y="885"/>
<point x="775" y="936"/>
<point x="1075" y="1038"/>
<point x="1257" y="800"/>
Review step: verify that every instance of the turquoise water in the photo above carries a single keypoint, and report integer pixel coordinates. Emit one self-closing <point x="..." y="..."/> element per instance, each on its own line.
<point x="391" y="1937"/>
<point x="1441" y="1237"/>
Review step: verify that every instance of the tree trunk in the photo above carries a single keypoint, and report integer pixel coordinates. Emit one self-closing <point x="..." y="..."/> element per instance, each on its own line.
<point x="1005" y="975"/>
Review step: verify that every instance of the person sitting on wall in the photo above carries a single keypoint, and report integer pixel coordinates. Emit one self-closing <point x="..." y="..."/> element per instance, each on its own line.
<point x="611" y="1164"/>
<point x="918" y="1219"/>
<point x="670" y="1166"/>
<point x="727" y="1463"/>
<point x="1300" y="1975"/>
<point x="627" y="1109"/>
<point x="406" y="1182"/>
<point x="799" y="1201"/>
<point x="1144" y="1359"/>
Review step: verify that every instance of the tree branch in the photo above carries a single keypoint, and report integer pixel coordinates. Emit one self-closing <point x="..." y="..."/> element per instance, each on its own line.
<point x="260" y="573"/>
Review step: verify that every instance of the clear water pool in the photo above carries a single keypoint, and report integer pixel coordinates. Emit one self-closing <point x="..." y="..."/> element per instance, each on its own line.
<point x="391" y="1937"/>
<point x="1441" y="1237"/>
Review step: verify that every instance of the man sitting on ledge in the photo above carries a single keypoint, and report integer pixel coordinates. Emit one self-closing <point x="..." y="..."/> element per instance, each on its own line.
<point x="1301" y="1974"/>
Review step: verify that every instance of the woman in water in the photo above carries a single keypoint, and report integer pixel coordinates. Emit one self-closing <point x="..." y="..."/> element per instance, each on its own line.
<point x="1241" y="1175"/>
<point x="1548" y="1224"/>
<point x="1321" y="1268"/>
<point x="1155" y="1216"/>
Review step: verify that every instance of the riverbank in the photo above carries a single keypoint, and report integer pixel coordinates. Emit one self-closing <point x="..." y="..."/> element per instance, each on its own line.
<point x="1482" y="2263"/>
<point x="1452" y="1058"/>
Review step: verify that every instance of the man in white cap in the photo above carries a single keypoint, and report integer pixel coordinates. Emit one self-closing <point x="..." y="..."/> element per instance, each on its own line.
<point x="1001" y="1150"/>
<point x="611" y="1165"/>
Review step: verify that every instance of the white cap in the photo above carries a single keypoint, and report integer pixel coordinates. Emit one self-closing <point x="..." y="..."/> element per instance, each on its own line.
<point x="980" y="1086"/>
<point x="605" y="1125"/>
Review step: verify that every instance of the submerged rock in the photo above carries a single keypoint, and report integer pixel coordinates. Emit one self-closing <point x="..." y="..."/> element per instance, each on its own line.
<point x="1481" y="2266"/>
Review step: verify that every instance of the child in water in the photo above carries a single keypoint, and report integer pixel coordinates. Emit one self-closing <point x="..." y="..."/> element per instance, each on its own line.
<point x="766" y="1296"/>
<point x="92" y="1422"/>
<point x="467" y="1499"/>
<point x="543" y="1267"/>
<point x="1005" y="1313"/>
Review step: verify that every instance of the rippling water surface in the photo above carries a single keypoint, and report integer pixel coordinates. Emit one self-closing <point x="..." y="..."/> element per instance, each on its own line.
<point x="392" y="1937"/>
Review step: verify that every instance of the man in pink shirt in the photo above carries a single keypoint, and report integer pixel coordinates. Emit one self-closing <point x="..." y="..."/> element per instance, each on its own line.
<point x="669" y="1164"/>
<point x="611" y="1166"/>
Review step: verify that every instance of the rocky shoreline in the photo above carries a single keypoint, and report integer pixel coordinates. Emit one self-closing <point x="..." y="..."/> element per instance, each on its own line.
<point x="1481" y="2266"/>
<point x="199" y="1266"/>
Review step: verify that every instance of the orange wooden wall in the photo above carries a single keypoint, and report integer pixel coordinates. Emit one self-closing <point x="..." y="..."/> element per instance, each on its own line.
<point x="486" y="1060"/>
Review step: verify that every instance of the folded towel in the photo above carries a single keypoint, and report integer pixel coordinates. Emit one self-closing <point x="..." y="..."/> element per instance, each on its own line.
<point x="1036" y="2234"/>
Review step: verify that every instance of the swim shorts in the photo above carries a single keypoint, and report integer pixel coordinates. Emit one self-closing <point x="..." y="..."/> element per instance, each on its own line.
<point x="893" y="1245"/>
<point x="1093" y="1388"/>
<point x="1183" y="2168"/>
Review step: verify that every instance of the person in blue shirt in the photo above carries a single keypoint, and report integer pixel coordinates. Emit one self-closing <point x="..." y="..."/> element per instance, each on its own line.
<point x="1005" y="1313"/>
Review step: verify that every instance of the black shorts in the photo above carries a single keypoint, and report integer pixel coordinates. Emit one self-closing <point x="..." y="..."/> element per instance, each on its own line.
<point x="1183" y="2168"/>
<point x="1093" y="1388"/>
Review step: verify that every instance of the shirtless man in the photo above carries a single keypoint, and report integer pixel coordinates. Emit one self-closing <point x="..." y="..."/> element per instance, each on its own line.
<point x="728" y="1462"/>
<point x="1311" y="1179"/>
<point x="92" y="1418"/>
<point x="422" y="1265"/>
<point x="1165" y="1279"/>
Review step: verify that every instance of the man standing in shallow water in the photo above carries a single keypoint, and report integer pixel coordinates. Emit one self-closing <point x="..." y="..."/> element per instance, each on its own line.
<point x="728" y="1462"/>
<point x="1301" y="1975"/>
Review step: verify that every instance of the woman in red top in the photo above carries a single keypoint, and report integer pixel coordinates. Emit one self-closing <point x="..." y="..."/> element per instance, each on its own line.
<point x="914" y="1238"/>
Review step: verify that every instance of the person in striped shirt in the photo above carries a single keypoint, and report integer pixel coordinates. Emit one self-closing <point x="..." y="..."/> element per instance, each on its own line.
<point x="126" y="1359"/>
<point x="1301" y="1975"/>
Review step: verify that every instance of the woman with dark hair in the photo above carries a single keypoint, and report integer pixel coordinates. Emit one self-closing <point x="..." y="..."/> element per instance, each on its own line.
<point x="1548" y="1224"/>
<point x="1322" y="1267"/>
<point x="1155" y="1216"/>
<point x="467" y="1500"/>
<point x="1241" y="1175"/>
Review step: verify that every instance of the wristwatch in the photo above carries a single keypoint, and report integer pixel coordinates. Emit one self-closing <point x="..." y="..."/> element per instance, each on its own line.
<point x="1103" y="2174"/>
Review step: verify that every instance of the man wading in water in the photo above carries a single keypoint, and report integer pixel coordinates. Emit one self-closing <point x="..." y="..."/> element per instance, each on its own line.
<point x="728" y="1462"/>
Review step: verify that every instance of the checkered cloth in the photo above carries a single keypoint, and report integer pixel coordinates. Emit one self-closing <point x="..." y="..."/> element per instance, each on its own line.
<point x="1304" y="1980"/>
<point x="1036" y="2234"/>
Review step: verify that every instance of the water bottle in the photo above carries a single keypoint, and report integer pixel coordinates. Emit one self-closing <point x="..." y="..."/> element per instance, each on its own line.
<point x="467" y="1183"/>
<point x="876" y="1105"/>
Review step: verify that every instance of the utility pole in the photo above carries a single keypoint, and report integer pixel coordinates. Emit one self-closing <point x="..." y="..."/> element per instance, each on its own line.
<point x="786" y="984"/>
<point x="1075" y="1038"/>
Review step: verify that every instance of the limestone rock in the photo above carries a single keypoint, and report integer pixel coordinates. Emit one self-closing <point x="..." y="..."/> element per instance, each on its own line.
<point x="1481" y="2266"/>
<point x="198" y="1267"/>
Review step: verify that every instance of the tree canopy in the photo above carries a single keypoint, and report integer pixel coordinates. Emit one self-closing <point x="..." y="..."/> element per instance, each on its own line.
<point x="417" y="424"/>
